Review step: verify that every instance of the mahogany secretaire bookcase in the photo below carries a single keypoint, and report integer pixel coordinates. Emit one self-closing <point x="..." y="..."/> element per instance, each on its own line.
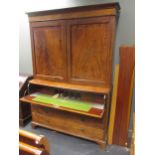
<point x="72" y="52"/>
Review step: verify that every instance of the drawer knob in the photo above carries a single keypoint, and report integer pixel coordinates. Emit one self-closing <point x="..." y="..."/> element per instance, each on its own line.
<point x="82" y="129"/>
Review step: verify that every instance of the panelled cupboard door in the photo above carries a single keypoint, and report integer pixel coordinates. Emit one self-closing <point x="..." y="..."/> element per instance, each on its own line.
<point x="49" y="50"/>
<point x="89" y="44"/>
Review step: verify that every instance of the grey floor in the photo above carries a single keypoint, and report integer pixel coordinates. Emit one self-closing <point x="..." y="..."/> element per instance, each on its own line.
<point x="62" y="144"/>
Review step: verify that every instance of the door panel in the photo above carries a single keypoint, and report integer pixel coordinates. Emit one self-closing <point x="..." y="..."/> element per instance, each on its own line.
<point x="50" y="50"/>
<point x="90" y="52"/>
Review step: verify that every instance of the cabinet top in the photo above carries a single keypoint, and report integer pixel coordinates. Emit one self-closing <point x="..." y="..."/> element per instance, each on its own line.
<point x="113" y="9"/>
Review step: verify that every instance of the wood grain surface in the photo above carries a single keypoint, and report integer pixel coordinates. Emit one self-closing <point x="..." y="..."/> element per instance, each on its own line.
<point x="124" y="95"/>
<point x="78" y="87"/>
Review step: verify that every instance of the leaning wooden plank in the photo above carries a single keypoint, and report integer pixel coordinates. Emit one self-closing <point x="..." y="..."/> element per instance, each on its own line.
<point x="124" y="95"/>
<point x="113" y="105"/>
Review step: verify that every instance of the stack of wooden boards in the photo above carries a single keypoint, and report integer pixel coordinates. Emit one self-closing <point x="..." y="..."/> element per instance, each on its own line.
<point x="32" y="144"/>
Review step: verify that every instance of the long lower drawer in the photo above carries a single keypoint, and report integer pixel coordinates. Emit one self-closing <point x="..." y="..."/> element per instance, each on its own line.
<point x="68" y="122"/>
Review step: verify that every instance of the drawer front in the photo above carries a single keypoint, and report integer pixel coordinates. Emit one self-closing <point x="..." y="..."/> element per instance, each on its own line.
<point x="68" y="122"/>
